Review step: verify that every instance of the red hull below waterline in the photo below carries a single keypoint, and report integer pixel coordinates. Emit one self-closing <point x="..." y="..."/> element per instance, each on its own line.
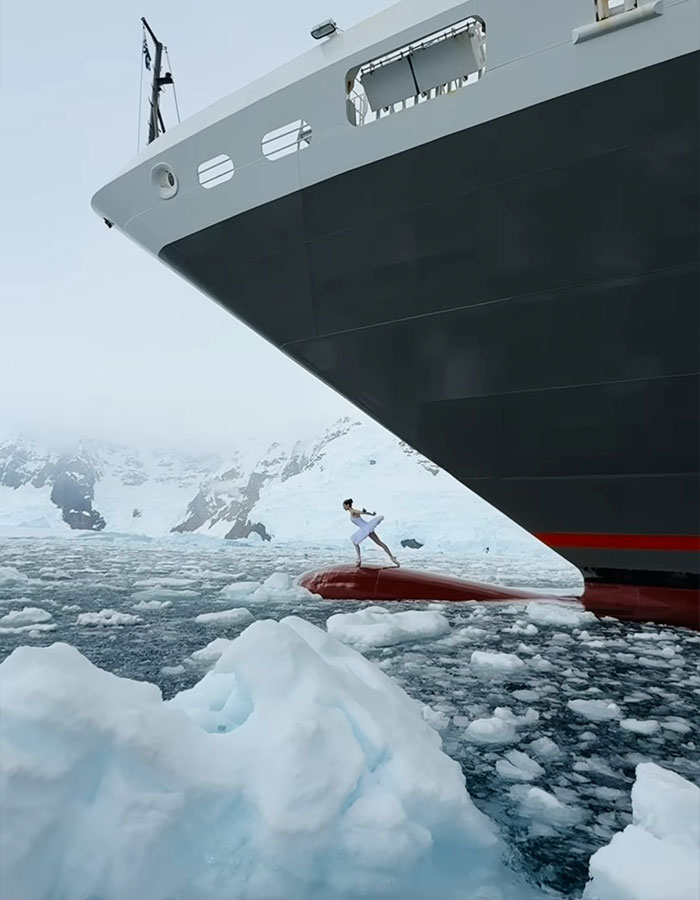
<point x="666" y="606"/>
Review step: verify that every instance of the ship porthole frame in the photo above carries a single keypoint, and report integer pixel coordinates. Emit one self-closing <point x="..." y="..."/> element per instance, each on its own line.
<point x="164" y="181"/>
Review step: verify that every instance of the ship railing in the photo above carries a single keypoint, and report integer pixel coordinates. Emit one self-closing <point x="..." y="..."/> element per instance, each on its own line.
<point x="360" y="111"/>
<point x="363" y="114"/>
<point x="605" y="9"/>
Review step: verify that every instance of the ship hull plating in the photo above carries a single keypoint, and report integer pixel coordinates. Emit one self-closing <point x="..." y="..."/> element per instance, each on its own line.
<point x="519" y="302"/>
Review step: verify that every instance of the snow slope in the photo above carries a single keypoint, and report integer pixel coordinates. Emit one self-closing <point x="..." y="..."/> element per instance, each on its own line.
<point x="281" y="492"/>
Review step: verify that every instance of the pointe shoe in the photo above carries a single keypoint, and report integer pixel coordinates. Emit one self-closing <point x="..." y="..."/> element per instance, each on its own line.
<point x="396" y="562"/>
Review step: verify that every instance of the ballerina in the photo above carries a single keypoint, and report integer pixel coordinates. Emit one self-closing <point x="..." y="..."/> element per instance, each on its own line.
<point x="366" y="529"/>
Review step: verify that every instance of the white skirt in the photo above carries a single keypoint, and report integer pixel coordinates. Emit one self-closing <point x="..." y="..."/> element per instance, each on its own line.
<point x="366" y="529"/>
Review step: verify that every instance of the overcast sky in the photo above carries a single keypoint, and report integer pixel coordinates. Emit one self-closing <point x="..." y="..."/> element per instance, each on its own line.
<point x="96" y="336"/>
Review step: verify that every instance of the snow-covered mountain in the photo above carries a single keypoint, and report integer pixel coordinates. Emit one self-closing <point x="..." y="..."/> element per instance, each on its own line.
<point x="281" y="492"/>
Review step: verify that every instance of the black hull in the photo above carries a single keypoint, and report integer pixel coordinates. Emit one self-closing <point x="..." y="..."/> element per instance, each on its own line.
<point x="519" y="302"/>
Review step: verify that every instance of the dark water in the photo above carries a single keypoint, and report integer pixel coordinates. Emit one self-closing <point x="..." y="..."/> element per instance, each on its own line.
<point x="650" y="672"/>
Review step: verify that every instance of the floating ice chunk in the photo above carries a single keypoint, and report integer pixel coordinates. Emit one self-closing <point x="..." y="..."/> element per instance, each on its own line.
<point x="490" y="731"/>
<point x="213" y="651"/>
<point x="595" y="710"/>
<point x="10" y="575"/>
<point x="161" y="582"/>
<point x="490" y="662"/>
<point x="520" y="627"/>
<point x="640" y="726"/>
<point x="156" y="593"/>
<point x="539" y="663"/>
<point x="545" y="748"/>
<point x="239" y="589"/>
<point x="461" y="636"/>
<point x="34" y="630"/>
<point x="378" y="627"/>
<point x="525" y="695"/>
<point x="239" y="616"/>
<point x="172" y="670"/>
<point x="518" y="766"/>
<point x="544" y="807"/>
<point x="680" y="726"/>
<point x="435" y="718"/>
<point x="280" y="587"/>
<point x="107" y="617"/>
<point x="657" y="857"/>
<point x="558" y="614"/>
<point x="595" y="764"/>
<point x="294" y="770"/>
<point x="71" y="607"/>
<point x="30" y="615"/>
<point x="153" y="604"/>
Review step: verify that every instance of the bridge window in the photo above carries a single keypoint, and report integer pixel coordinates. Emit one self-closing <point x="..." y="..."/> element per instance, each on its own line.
<point x="440" y="63"/>
<point x="287" y="139"/>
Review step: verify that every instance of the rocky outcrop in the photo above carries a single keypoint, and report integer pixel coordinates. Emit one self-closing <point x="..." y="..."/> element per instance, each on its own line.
<point x="71" y="477"/>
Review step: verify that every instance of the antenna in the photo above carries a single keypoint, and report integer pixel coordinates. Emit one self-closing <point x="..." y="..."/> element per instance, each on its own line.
<point x="155" y="119"/>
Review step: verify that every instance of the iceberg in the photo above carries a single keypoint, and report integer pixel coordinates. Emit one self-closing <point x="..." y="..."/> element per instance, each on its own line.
<point x="657" y="857"/>
<point x="294" y="770"/>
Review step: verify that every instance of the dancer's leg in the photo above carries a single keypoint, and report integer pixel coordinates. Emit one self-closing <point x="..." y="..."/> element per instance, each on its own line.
<point x="384" y="547"/>
<point x="359" y="555"/>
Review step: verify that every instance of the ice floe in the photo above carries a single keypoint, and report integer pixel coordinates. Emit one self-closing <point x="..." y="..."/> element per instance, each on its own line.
<point x="238" y="616"/>
<point x="518" y="766"/>
<point x="558" y="614"/>
<point x="11" y="575"/>
<point x="595" y="710"/>
<point x="491" y="662"/>
<point x="153" y="604"/>
<point x="107" y="617"/>
<point x="377" y="626"/>
<point x="213" y="650"/>
<point x="30" y="615"/>
<point x="640" y="726"/>
<point x="157" y="593"/>
<point x="657" y="857"/>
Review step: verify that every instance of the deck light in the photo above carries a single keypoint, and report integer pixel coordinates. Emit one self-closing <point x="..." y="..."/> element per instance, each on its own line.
<point x="325" y="29"/>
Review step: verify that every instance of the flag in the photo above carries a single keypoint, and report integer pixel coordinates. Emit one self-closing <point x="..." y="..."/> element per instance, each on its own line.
<point x="146" y="53"/>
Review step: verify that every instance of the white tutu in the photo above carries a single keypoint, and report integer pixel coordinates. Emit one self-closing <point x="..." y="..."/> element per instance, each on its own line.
<point x="364" y="528"/>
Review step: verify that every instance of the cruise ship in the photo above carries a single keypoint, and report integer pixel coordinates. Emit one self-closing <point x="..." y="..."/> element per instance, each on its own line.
<point x="479" y="222"/>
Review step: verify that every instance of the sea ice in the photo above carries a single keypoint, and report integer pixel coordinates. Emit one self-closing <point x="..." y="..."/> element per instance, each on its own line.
<point x="558" y="614"/>
<point x="10" y="575"/>
<point x="377" y="626"/>
<point x="30" y="615"/>
<point x="160" y="582"/>
<point x="156" y="593"/>
<point x="526" y="695"/>
<point x="212" y="652"/>
<point x="153" y="604"/>
<point x="239" y="616"/>
<point x="543" y="807"/>
<point x="294" y="770"/>
<point x="172" y="670"/>
<point x="239" y="589"/>
<point x="490" y="662"/>
<point x="595" y="710"/>
<point x="518" y="766"/>
<point x="657" y="857"/>
<point x="281" y="587"/>
<point x="107" y="617"/>
<point x="490" y="731"/>
<point x="545" y="748"/>
<point x="640" y="726"/>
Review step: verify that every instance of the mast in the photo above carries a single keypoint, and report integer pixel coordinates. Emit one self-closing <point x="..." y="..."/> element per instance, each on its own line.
<point x="155" y="120"/>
